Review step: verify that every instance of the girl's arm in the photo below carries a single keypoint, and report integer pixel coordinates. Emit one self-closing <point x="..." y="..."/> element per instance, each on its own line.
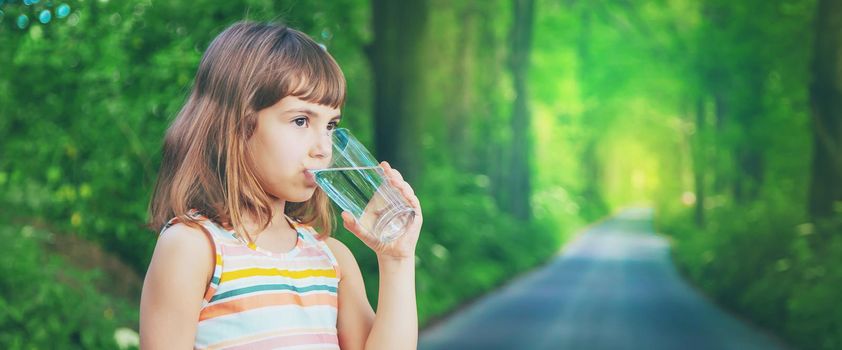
<point x="175" y="283"/>
<point x="395" y="326"/>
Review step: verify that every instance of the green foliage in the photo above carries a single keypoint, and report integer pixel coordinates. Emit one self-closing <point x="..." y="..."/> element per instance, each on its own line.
<point x="763" y="261"/>
<point x="80" y="133"/>
<point x="45" y="303"/>
<point x="746" y="141"/>
<point x="84" y="104"/>
<point x="815" y="318"/>
<point x="666" y="102"/>
<point x="698" y="105"/>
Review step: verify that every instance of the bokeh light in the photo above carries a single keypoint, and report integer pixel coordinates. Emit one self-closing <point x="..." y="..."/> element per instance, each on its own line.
<point x="45" y="16"/>
<point x="62" y="11"/>
<point x="23" y="21"/>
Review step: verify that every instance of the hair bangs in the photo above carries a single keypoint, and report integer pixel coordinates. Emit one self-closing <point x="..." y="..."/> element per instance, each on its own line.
<point x="307" y="72"/>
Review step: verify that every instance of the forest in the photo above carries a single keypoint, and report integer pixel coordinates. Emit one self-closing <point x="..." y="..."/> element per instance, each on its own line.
<point x="518" y="123"/>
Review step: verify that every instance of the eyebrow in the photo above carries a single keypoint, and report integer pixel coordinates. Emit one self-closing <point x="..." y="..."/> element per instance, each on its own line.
<point x="311" y="113"/>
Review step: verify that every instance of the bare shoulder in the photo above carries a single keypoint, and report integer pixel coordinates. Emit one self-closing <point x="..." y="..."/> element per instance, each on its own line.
<point x="343" y="255"/>
<point x="177" y="278"/>
<point x="186" y="240"/>
<point x="187" y="247"/>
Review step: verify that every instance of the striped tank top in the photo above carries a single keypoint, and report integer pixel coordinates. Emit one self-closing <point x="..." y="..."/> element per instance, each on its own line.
<point x="258" y="299"/>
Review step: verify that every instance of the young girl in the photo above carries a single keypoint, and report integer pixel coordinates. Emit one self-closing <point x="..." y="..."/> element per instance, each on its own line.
<point x="238" y="263"/>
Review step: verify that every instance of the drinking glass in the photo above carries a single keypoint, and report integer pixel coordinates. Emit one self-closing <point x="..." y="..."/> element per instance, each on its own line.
<point x="357" y="184"/>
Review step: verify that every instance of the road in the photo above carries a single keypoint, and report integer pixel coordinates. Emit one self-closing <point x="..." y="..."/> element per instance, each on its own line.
<point x="614" y="287"/>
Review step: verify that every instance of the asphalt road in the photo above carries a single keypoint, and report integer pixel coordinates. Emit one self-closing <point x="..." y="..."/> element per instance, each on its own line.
<point x="614" y="287"/>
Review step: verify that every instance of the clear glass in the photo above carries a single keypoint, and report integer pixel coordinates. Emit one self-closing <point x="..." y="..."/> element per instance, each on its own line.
<point x="357" y="184"/>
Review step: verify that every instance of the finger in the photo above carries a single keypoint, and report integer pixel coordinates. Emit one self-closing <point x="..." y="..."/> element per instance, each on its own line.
<point x="398" y="174"/>
<point x="394" y="176"/>
<point x="349" y="222"/>
<point x="407" y="191"/>
<point x="409" y="196"/>
<point x="414" y="202"/>
<point x="402" y="187"/>
<point x="392" y="171"/>
<point x="396" y="179"/>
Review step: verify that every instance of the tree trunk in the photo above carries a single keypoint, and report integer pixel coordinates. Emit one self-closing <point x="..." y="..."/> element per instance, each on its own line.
<point x="699" y="163"/>
<point x="594" y="205"/>
<point x="593" y="202"/>
<point x="826" y="99"/>
<point x="521" y="37"/>
<point x="489" y="141"/>
<point x="722" y="181"/>
<point x="459" y="116"/>
<point x="394" y="56"/>
<point x="748" y="156"/>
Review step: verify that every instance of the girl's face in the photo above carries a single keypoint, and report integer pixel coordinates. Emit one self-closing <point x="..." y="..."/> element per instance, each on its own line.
<point x="292" y="136"/>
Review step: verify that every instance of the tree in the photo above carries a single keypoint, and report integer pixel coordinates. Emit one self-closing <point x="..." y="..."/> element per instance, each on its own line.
<point x="394" y="55"/>
<point x="521" y="40"/>
<point x="826" y="98"/>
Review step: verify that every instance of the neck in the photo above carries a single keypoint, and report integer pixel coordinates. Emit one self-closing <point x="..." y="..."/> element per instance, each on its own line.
<point x="278" y="220"/>
<point x="278" y="206"/>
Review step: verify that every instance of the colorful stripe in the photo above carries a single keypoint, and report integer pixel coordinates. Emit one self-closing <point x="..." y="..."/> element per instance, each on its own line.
<point x="291" y="340"/>
<point x="251" y="341"/>
<point x="262" y="300"/>
<point x="272" y="320"/>
<point x="253" y="272"/>
<point x="272" y="287"/>
<point x="259" y="301"/>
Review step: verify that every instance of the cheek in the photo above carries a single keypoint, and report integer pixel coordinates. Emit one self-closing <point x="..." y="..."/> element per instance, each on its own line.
<point x="279" y="157"/>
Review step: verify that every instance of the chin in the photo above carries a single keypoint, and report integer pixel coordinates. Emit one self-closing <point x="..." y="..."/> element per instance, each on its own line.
<point x="303" y="196"/>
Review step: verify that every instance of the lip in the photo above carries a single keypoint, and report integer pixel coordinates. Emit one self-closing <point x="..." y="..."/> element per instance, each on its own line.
<point x="309" y="177"/>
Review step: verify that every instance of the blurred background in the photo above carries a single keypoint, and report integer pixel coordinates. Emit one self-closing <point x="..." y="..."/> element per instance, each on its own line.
<point x="518" y="122"/>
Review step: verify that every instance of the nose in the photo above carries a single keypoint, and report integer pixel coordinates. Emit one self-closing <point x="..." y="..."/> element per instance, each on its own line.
<point x="323" y="146"/>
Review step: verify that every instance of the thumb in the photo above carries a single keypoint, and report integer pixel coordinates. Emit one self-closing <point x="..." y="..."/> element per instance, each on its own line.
<point x="354" y="227"/>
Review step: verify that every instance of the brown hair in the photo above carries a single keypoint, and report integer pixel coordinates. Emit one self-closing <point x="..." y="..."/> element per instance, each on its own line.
<point x="206" y="164"/>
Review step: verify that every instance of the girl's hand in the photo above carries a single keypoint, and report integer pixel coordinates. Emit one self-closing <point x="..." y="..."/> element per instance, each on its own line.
<point x="404" y="246"/>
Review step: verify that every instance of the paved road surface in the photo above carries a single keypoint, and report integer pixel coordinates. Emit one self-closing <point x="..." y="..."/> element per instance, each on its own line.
<point x="613" y="288"/>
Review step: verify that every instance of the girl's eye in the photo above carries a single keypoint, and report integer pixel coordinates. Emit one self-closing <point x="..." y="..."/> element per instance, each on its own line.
<point x="302" y="119"/>
<point x="332" y="125"/>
